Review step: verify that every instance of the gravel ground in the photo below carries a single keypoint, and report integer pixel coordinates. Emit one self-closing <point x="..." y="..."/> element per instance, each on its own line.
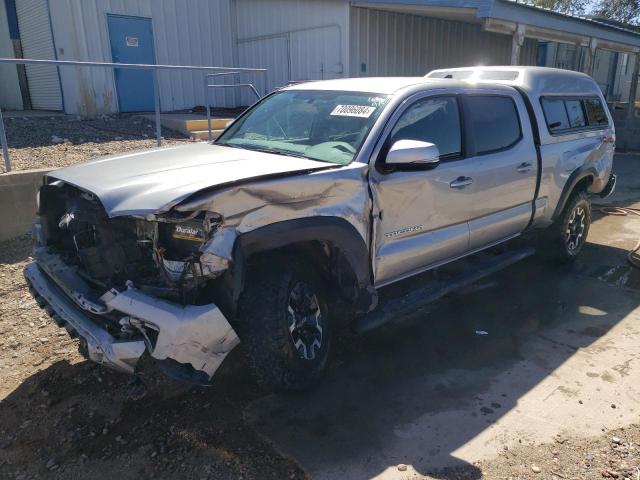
<point x="58" y="141"/>
<point x="615" y="454"/>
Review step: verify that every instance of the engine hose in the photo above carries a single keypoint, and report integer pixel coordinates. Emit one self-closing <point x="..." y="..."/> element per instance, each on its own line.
<point x="632" y="256"/>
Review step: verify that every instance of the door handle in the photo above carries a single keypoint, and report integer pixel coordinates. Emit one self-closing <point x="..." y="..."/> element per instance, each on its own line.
<point x="461" y="182"/>
<point x="524" y="167"/>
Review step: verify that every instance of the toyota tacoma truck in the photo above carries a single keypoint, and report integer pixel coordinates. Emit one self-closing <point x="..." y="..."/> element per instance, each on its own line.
<point x="312" y="201"/>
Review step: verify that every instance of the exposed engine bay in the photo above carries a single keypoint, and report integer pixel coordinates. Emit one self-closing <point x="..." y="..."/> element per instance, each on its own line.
<point x="161" y="258"/>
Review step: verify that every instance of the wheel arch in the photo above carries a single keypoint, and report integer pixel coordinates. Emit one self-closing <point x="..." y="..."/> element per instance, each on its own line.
<point x="317" y="238"/>
<point x="580" y="179"/>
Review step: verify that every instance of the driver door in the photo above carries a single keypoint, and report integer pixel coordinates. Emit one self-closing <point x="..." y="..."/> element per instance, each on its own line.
<point x="421" y="216"/>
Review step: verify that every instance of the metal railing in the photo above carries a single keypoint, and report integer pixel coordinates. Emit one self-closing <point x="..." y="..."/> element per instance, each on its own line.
<point x="133" y="66"/>
<point x="209" y="86"/>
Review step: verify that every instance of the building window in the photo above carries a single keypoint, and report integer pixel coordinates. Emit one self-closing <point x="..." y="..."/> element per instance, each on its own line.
<point x="560" y="55"/>
<point x="621" y="83"/>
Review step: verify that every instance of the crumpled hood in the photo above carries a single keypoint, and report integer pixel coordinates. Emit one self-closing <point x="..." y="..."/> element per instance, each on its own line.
<point x="152" y="181"/>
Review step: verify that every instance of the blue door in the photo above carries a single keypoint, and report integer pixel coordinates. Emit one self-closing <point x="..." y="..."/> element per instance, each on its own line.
<point x="132" y="42"/>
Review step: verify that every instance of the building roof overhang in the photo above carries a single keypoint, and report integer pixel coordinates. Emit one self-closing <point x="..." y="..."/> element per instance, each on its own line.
<point x="504" y="16"/>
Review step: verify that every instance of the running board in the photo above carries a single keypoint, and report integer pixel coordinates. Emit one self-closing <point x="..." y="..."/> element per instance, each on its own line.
<point x="432" y="291"/>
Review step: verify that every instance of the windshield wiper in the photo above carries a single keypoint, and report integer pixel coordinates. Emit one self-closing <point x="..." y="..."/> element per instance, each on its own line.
<point x="286" y="153"/>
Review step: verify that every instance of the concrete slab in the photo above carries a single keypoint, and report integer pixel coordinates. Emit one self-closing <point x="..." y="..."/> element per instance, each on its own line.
<point x="560" y="357"/>
<point x="18" y="192"/>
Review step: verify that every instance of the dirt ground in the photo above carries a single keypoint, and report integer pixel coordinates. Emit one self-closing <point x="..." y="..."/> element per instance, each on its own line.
<point x="63" y="417"/>
<point x="61" y="140"/>
<point x="614" y="454"/>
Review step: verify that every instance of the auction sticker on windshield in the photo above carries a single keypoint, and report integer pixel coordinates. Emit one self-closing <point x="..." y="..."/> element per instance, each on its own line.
<point x="362" y="111"/>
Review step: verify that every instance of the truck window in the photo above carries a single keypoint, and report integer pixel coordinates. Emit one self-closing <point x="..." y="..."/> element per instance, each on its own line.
<point x="564" y="115"/>
<point x="555" y="114"/>
<point x="595" y="112"/>
<point x="493" y="122"/>
<point x="434" y="120"/>
<point x="576" y="115"/>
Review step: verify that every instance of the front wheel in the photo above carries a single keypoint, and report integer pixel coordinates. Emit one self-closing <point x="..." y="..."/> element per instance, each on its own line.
<point x="285" y="325"/>
<point x="566" y="237"/>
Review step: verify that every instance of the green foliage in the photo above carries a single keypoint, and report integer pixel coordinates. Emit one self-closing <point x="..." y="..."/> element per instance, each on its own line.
<point x="626" y="11"/>
<point x="571" y="7"/>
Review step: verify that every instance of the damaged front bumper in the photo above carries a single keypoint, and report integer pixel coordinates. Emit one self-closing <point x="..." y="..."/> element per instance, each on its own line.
<point x="196" y="337"/>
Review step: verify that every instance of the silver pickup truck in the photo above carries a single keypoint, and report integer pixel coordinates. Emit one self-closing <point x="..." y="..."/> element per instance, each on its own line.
<point x="311" y="202"/>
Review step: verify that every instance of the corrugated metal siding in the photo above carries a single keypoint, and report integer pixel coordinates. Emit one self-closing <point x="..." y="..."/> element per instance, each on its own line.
<point x="294" y="39"/>
<point x="271" y="53"/>
<point x="529" y="52"/>
<point x="386" y="44"/>
<point x="186" y="32"/>
<point x="10" y="97"/>
<point x="37" y="42"/>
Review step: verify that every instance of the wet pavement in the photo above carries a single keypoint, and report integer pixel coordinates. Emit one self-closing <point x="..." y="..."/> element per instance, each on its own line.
<point x="560" y="356"/>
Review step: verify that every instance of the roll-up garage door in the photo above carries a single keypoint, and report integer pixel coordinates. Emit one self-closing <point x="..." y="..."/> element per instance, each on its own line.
<point x="37" y="42"/>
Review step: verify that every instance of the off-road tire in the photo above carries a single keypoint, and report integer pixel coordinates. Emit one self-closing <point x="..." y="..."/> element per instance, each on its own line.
<point x="555" y="244"/>
<point x="265" y="320"/>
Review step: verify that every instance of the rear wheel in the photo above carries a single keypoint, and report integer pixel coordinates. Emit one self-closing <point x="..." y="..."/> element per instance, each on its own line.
<point x="285" y="325"/>
<point x="566" y="237"/>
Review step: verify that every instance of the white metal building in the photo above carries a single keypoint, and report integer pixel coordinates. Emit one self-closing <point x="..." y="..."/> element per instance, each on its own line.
<point x="294" y="39"/>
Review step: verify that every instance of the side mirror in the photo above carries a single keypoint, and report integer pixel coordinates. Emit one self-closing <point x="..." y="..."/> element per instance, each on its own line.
<point x="413" y="154"/>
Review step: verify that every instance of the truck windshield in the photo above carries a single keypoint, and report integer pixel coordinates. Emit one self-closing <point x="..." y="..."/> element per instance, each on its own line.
<point x="321" y="125"/>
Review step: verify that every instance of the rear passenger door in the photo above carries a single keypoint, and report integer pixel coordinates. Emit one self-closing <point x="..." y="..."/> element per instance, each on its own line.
<point x="501" y="169"/>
